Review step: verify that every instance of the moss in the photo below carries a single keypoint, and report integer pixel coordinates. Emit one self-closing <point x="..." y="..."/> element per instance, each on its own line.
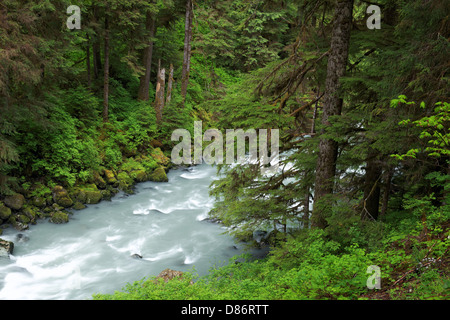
<point x="93" y="196"/>
<point x="125" y="182"/>
<point x="139" y="175"/>
<point x="23" y="219"/>
<point x="5" y="212"/>
<point x="78" y="205"/>
<point x="159" y="175"/>
<point x="61" y="197"/>
<point x="59" y="217"/>
<point x="39" y="201"/>
<point x="17" y="224"/>
<point x="15" y="201"/>
<point x="99" y="181"/>
<point x="159" y="157"/>
<point x="110" y="177"/>
<point x="30" y="212"/>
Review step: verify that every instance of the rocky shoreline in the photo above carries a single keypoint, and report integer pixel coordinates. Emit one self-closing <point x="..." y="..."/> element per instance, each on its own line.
<point x="33" y="202"/>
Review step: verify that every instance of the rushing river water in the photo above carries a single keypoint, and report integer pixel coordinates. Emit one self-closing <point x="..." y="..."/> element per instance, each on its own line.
<point x="93" y="253"/>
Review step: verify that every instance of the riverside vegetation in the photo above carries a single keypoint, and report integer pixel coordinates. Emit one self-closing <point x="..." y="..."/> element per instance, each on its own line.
<point x="363" y="116"/>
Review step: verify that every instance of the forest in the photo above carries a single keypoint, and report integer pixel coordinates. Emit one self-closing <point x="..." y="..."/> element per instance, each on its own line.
<point x="91" y="92"/>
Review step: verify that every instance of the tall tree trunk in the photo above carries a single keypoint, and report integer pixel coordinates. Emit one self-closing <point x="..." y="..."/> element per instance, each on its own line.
<point x="371" y="200"/>
<point x="187" y="49"/>
<point x="88" y="62"/>
<point x="387" y="190"/>
<point x="106" y="72"/>
<point x="143" y="93"/>
<point x="337" y="62"/>
<point x="159" y="99"/>
<point x="169" y="85"/>
<point x="97" y="61"/>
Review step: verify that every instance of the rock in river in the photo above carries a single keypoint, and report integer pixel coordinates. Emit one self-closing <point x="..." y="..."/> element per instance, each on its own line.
<point x="61" y="197"/>
<point x="6" y="248"/>
<point x="15" y="201"/>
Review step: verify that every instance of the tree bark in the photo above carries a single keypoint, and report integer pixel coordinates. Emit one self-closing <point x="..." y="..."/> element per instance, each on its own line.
<point x="159" y="99"/>
<point x="387" y="190"/>
<point x="332" y="106"/>
<point x="88" y="62"/>
<point x="143" y="93"/>
<point x="187" y="50"/>
<point x="106" y="72"/>
<point x="97" y="61"/>
<point x="372" y="191"/>
<point x="169" y="85"/>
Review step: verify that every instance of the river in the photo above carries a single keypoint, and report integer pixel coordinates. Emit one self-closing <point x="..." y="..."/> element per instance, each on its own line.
<point x="163" y="223"/>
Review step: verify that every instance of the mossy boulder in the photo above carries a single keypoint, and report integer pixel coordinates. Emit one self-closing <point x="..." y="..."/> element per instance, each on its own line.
<point x="110" y="177"/>
<point x="5" y="212"/>
<point x="39" y="201"/>
<point x="160" y="157"/>
<point x="30" y="213"/>
<point x="159" y="175"/>
<point x="93" y="196"/>
<point x="99" y="181"/>
<point x="139" y="175"/>
<point x="87" y="194"/>
<point x="61" y="197"/>
<point x="125" y="182"/>
<point x="15" y="201"/>
<point x="78" y="205"/>
<point x="23" y="219"/>
<point x="59" y="217"/>
<point x="106" y="194"/>
<point x="20" y="226"/>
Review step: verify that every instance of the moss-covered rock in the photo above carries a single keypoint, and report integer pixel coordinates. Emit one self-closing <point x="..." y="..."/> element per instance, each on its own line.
<point x="139" y="175"/>
<point x="86" y="194"/>
<point x="110" y="177"/>
<point x="106" y="194"/>
<point x="59" y="217"/>
<point x="30" y="212"/>
<point x="39" y="201"/>
<point x="78" y="205"/>
<point x="125" y="182"/>
<point x="99" y="181"/>
<point x="93" y="196"/>
<point x="160" y="157"/>
<point x="61" y="197"/>
<point x="159" y="175"/>
<point x="23" y="219"/>
<point x="5" y="212"/>
<point x="17" y="224"/>
<point x="15" y="201"/>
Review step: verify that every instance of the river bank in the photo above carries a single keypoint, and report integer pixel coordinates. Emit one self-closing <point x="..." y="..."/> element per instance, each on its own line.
<point x="34" y="201"/>
<point x="113" y="243"/>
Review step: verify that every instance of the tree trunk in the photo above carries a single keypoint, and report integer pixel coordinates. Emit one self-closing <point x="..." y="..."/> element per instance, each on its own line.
<point x="327" y="156"/>
<point x="144" y="86"/>
<point x="106" y="72"/>
<point x="97" y="61"/>
<point x="169" y="85"/>
<point x="187" y="49"/>
<point x="371" y="200"/>
<point x="387" y="190"/>
<point x="159" y="99"/>
<point x="88" y="62"/>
